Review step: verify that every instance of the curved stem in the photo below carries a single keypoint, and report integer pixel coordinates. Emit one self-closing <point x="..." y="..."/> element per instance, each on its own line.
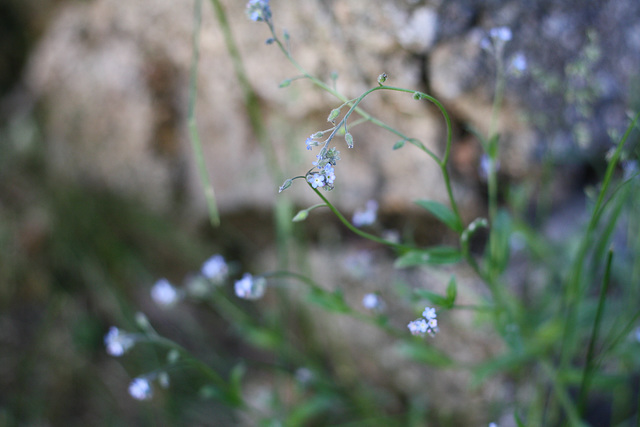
<point x="357" y="230"/>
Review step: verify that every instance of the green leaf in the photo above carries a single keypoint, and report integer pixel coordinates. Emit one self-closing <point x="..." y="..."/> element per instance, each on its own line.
<point x="306" y="410"/>
<point x="501" y="236"/>
<point x="234" y="393"/>
<point x="436" y="255"/>
<point x="452" y="290"/>
<point x="519" y="421"/>
<point x="423" y="353"/>
<point x="284" y="83"/>
<point x="443" y="213"/>
<point x="443" y="301"/>
<point x="432" y="297"/>
<point x="330" y="301"/>
<point x="398" y="145"/>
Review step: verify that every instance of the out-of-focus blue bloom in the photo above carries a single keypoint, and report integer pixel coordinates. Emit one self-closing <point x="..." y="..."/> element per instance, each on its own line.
<point x="215" y="269"/>
<point x="164" y="294"/>
<point x="249" y="287"/>
<point x="258" y="10"/>
<point x="428" y="324"/>
<point x="140" y="389"/>
<point x="118" y="342"/>
<point x="367" y="216"/>
<point x="373" y="302"/>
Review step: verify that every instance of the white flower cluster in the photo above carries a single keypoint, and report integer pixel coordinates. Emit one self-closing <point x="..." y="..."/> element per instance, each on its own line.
<point x="427" y="324"/>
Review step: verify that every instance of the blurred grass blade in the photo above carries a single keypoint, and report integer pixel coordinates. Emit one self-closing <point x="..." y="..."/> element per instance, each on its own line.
<point x="209" y="193"/>
<point x="436" y="255"/>
<point x="423" y="353"/>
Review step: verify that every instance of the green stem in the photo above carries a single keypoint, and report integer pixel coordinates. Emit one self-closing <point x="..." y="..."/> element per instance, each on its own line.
<point x="571" y="298"/>
<point x="196" y="144"/>
<point x="589" y="364"/>
<point x="357" y="230"/>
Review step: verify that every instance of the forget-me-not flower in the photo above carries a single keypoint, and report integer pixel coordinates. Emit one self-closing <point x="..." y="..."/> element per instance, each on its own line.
<point x="258" y="10"/>
<point x="164" y="293"/>
<point x="215" y="269"/>
<point x="428" y="324"/>
<point x="316" y="180"/>
<point x="249" y="287"/>
<point x="118" y="342"/>
<point x="140" y="389"/>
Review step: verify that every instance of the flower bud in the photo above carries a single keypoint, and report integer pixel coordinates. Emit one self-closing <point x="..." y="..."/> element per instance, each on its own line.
<point x="349" y="138"/>
<point x="301" y="216"/>
<point x="333" y="115"/>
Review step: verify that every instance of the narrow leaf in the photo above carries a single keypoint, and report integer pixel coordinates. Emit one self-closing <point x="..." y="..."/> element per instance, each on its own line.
<point x="443" y="213"/>
<point x="423" y="353"/>
<point x="433" y="256"/>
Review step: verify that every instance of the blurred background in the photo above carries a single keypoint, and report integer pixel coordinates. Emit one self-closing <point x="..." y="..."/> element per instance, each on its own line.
<point x="100" y="195"/>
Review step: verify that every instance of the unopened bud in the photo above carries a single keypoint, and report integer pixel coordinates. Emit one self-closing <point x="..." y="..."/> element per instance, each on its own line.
<point x="333" y="115"/>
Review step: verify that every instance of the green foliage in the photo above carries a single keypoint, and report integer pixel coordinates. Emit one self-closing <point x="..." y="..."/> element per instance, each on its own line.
<point x="560" y="312"/>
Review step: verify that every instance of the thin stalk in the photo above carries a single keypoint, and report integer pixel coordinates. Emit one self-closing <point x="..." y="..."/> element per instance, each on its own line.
<point x="196" y="144"/>
<point x="574" y="288"/>
<point x="589" y="364"/>
<point x="563" y="397"/>
<point x="356" y="230"/>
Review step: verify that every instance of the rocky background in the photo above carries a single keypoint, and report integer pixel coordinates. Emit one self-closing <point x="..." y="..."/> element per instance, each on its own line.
<point x="95" y="152"/>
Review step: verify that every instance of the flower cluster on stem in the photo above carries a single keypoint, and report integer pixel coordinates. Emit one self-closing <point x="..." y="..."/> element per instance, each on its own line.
<point x="427" y="324"/>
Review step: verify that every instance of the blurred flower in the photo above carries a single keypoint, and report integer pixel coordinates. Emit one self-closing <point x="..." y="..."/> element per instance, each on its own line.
<point x="496" y="39"/>
<point x="258" y="10"/>
<point x="329" y="173"/>
<point x="500" y="33"/>
<point x="163" y="379"/>
<point x="304" y="375"/>
<point x="118" y="342"/>
<point x="485" y="166"/>
<point x="429" y="313"/>
<point x="518" y="63"/>
<point x="215" y="269"/>
<point x="367" y="216"/>
<point x="359" y="265"/>
<point x="418" y="327"/>
<point x="373" y="302"/>
<point x="249" y="287"/>
<point x="140" y="389"/>
<point x="637" y="334"/>
<point x="164" y="294"/>
<point x="428" y="324"/>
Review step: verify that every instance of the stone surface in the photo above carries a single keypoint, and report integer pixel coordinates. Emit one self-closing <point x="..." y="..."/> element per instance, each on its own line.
<point x="112" y="78"/>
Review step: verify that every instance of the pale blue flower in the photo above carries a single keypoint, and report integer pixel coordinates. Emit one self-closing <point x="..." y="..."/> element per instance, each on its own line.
<point x="329" y="173"/>
<point x="418" y="327"/>
<point x="429" y="313"/>
<point x="316" y="180"/>
<point x="367" y="216"/>
<point x="519" y="62"/>
<point x="140" y="389"/>
<point x="373" y="302"/>
<point x="118" y="342"/>
<point x="500" y="33"/>
<point x="249" y="287"/>
<point x="258" y="10"/>
<point x="164" y="294"/>
<point x="215" y="269"/>
<point x="428" y="324"/>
